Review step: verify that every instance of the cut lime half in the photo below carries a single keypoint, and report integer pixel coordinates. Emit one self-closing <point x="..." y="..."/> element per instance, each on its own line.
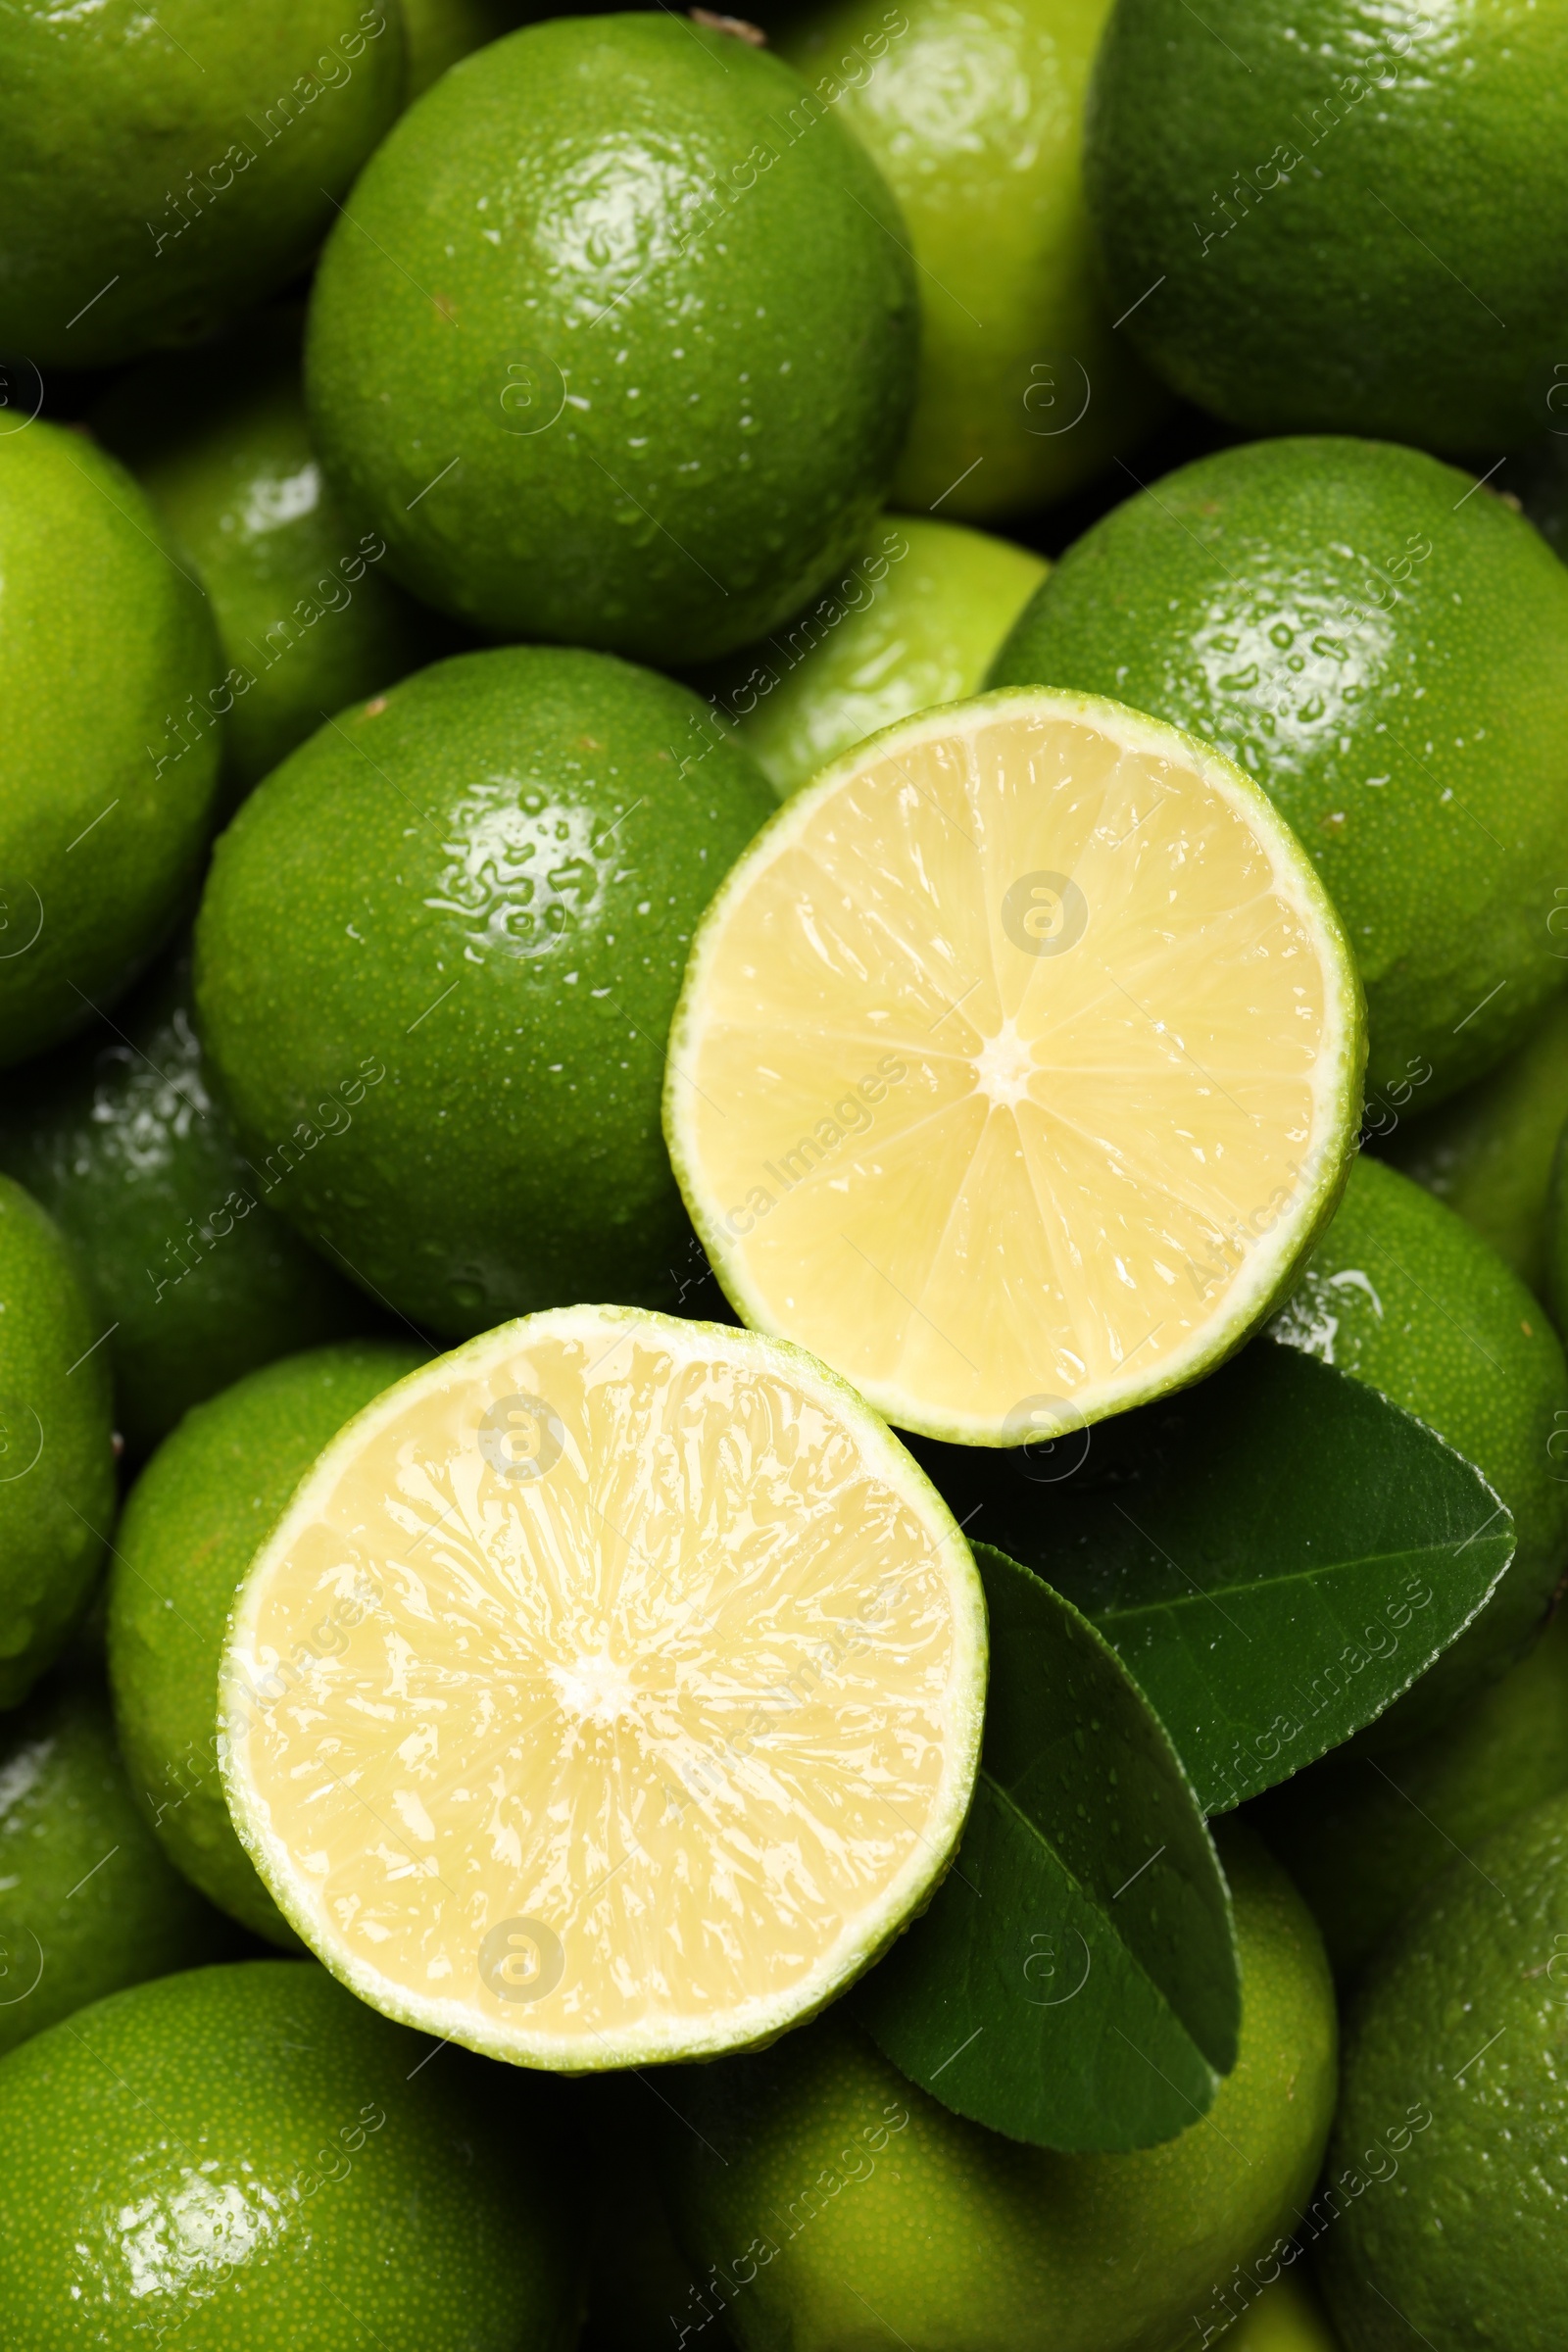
<point x="609" y="1692"/>
<point x="1018" y="1064"/>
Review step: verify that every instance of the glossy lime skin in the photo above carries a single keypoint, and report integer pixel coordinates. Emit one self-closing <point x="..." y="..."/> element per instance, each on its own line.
<point x="917" y="618"/>
<point x="974" y="111"/>
<point x="1361" y="1836"/>
<point x="306" y="616"/>
<point x="478" y="891"/>
<point x="57" y="1463"/>
<point x="1402" y="1294"/>
<point x="933" y="2231"/>
<point x="160" y="172"/>
<point x="246" y="2159"/>
<point x="121" y="1139"/>
<point x="1488" y="1152"/>
<point x="1352" y="212"/>
<point x="1459" y="2228"/>
<point x="1388" y="658"/>
<point x="619" y="348"/>
<point x="105" y="810"/>
<point x="89" y="1902"/>
<point x="195" y="1519"/>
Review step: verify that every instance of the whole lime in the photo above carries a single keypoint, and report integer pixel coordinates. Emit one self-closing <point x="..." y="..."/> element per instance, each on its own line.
<point x="1444" y="2173"/>
<point x="108" y="791"/>
<point x="829" y="2203"/>
<point x="1405" y="1296"/>
<point x="618" y="346"/>
<point x="1386" y="653"/>
<point x="246" y="2158"/>
<point x="915" y="619"/>
<point x="162" y="172"/>
<point x="1488" y="1151"/>
<point x="1361" y="1835"/>
<point x="57" y="1463"/>
<point x="305" y="616"/>
<point x="88" y="1899"/>
<point x="436" y="965"/>
<point x="440" y="31"/>
<point x="205" y="1503"/>
<point x="974" y="111"/>
<point x="1286" y="2316"/>
<point x="1322" y="218"/>
<point x="120" y="1138"/>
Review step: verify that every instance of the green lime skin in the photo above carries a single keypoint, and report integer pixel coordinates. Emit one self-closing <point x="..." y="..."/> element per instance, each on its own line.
<point x="1388" y="658"/>
<point x="120" y="1136"/>
<point x="1556" y="1274"/>
<point x="1286" y="2316"/>
<point x="305" y="616"/>
<point x="162" y="172"/>
<point x="915" y="619"/>
<point x="109" y="786"/>
<point x="90" y="1901"/>
<point x="206" y="1502"/>
<point x="1340" y="218"/>
<point x="1488" y="1151"/>
<point x="57" y="1459"/>
<point x="620" y="345"/>
<point x="831" y="2205"/>
<point x="973" y="109"/>
<point x="1362" y="1837"/>
<point x="246" y="2159"/>
<point x="437" y="32"/>
<point x="1447" y="2163"/>
<point x="473" y="898"/>
<point x="1405" y="1296"/>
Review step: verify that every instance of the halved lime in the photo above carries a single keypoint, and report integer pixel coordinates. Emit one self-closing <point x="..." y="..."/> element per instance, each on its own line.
<point x="609" y="1692"/>
<point x="1018" y="1064"/>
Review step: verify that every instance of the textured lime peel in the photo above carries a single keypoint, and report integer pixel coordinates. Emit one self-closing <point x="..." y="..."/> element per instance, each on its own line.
<point x="609" y="1692"/>
<point x="1017" y="1065"/>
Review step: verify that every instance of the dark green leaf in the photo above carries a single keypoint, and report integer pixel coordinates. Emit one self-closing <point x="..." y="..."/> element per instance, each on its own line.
<point x="1074" y="1982"/>
<point x="1276" y="1554"/>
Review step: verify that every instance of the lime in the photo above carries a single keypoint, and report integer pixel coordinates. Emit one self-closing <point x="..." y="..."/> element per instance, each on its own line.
<point x="440" y="31"/>
<point x="1443" y="2175"/>
<point x="1389" y="657"/>
<point x="973" y="109"/>
<point x="307" y="619"/>
<point x="162" y="172"/>
<point x="247" y="2159"/>
<point x="915" y="619"/>
<point x="1405" y="1296"/>
<point x="436" y="965"/>
<point x="88" y="1899"/>
<point x="1556" y="1285"/>
<point x="998" y="1030"/>
<point x="197" y="1279"/>
<point x="1363" y="1835"/>
<point x="57" y="1464"/>
<point x="1488" y="1152"/>
<point x="830" y="2204"/>
<point x="1286" y="2318"/>
<point x="619" y="345"/>
<point x="205" y="1501"/>
<point x="584" y="1744"/>
<point x="1324" y="219"/>
<point x="108" y="672"/>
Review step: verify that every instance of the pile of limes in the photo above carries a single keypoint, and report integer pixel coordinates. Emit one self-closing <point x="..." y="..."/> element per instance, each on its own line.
<point x="752" y="774"/>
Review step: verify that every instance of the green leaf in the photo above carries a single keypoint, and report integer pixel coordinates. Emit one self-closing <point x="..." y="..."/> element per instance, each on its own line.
<point x="1074" y="1982"/>
<point x="1276" y="1554"/>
